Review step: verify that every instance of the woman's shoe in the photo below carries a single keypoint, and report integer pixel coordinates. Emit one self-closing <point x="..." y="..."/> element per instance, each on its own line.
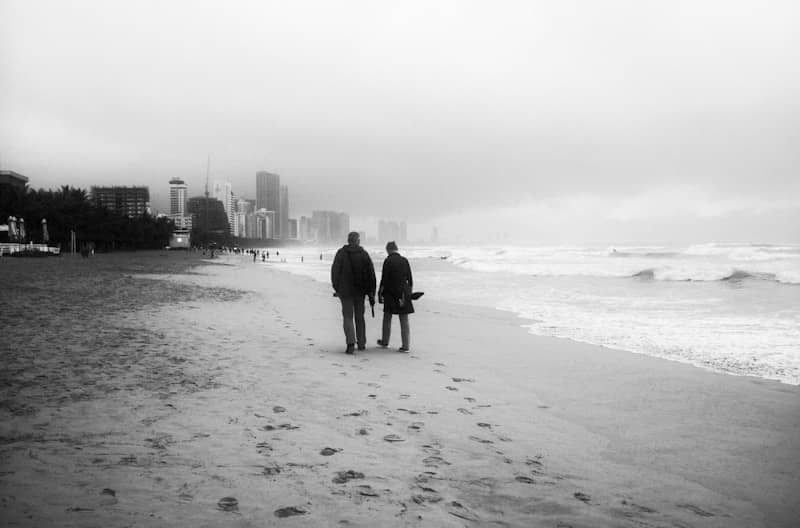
<point x="402" y="349"/>
<point x="382" y="344"/>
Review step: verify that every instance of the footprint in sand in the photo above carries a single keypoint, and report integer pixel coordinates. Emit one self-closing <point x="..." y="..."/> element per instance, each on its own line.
<point x="273" y="469"/>
<point x="582" y="497"/>
<point x="285" y="427"/>
<point x="416" y="426"/>
<point x="346" y="476"/>
<point x="525" y="480"/>
<point x="366" y="490"/>
<point x="464" y="411"/>
<point x="480" y="440"/>
<point x="394" y="438"/>
<point x="440" y="364"/>
<point x="228" y="504"/>
<point x="404" y="396"/>
<point x="695" y="510"/>
<point x="463" y="380"/>
<point x="290" y="511"/>
<point x="328" y="451"/>
<point x="373" y="396"/>
<point x="278" y="409"/>
<point x="451" y="388"/>
<point x="362" y="412"/>
<point x="484" y="425"/>
<point x="535" y="463"/>
<point x="421" y="498"/>
<point x="470" y="400"/>
<point x="637" y="507"/>
<point x="458" y="510"/>
<point x="434" y="461"/>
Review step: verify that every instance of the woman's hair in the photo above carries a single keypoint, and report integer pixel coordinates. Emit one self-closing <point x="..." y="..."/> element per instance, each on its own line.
<point x="391" y="246"/>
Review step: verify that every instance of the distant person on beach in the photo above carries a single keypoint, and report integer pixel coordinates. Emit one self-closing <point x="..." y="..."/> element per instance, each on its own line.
<point x="395" y="294"/>
<point x="353" y="278"/>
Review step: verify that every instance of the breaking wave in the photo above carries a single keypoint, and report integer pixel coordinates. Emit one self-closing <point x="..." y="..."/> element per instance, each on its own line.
<point x="713" y="262"/>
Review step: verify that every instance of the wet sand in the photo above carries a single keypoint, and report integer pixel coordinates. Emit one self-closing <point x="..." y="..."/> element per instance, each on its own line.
<point x="219" y="395"/>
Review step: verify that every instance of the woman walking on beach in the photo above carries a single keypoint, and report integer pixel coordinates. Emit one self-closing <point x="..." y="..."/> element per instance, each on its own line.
<point x="395" y="294"/>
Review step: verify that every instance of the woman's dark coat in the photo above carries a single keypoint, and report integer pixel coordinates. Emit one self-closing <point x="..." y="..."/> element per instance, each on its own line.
<point x="396" y="272"/>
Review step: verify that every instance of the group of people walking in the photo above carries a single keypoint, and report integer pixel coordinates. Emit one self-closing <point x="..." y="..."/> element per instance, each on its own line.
<point x="353" y="280"/>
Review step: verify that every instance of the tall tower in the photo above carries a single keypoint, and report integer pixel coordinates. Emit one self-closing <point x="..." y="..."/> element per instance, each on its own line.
<point x="268" y="187"/>
<point x="223" y="191"/>
<point x="178" y="194"/>
<point x="283" y="223"/>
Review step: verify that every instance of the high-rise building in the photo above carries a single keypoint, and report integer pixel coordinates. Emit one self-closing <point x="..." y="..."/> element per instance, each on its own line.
<point x="243" y="208"/>
<point x="388" y="230"/>
<point x="304" y="231"/>
<point x="265" y="224"/>
<point x="128" y="201"/>
<point x="329" y="226"/>
<point x="292" y="228"/>
<point x="268" y="188"/>
<point x="283" y="213"/>
<point x="223" y="191"/>
<point x="392" y="230"/>
<point x="209" y="214"/>
<point x="178" y="193"/>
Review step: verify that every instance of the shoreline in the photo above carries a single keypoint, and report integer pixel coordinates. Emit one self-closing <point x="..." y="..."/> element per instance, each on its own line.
<point x="495" y="425"/>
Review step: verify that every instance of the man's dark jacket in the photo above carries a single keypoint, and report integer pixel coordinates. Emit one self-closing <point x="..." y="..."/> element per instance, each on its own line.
<point x="395" y="280"/>
<point x="352" y="272"/>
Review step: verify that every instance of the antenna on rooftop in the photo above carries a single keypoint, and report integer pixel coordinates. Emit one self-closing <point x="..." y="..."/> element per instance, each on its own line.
<point x="208" y="167"/>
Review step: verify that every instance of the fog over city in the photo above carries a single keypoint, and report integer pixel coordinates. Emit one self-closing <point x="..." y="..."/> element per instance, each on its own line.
<point x="531" y="122"/>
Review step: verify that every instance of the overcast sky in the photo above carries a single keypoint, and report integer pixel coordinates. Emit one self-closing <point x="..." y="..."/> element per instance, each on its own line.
<point x="540" y="122"/>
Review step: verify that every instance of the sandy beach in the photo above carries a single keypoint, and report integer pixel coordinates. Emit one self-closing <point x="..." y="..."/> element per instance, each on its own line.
<point x="161" y="389"/>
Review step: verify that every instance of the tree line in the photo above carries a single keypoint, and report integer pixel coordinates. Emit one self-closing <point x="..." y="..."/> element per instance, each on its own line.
<point x="70" y="209"/>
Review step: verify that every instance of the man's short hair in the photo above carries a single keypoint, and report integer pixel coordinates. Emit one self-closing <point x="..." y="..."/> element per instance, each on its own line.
<point x="391" y="246"/>
<point x="352" y="237"/>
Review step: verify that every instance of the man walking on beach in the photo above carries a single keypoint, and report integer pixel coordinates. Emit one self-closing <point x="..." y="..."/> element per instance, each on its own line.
<point x="353" y="278"/>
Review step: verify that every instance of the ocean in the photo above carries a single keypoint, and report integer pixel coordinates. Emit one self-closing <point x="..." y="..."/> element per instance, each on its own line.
<point x="732" y="308"/>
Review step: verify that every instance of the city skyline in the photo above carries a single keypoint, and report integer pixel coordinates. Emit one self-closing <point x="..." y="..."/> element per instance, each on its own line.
<point x="541" y="123"/>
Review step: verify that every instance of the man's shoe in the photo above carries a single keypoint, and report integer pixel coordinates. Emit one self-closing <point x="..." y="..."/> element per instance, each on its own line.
<point x="382" y="344"/>
<point x="402" y="349"/>
<point x="350" y="349"/>
<point x="362" y="347"/>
